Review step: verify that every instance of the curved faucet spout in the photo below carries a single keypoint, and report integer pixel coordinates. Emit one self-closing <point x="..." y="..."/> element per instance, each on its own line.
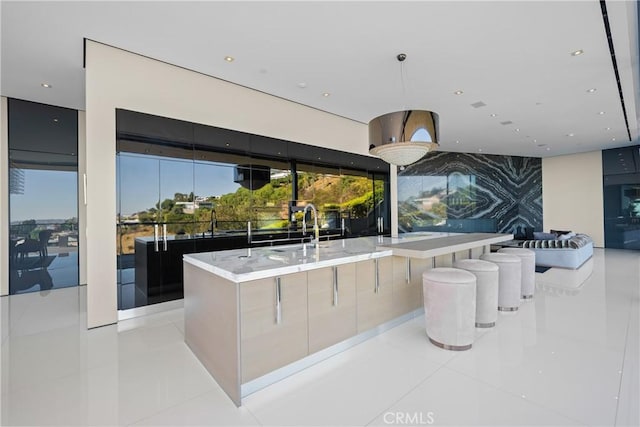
<point x="214" y="221"/>
<point x="315" y="221"/>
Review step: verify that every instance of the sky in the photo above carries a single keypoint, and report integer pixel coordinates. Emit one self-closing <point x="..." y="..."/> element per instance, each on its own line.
<point x="47" y="195"/>
<point x="145" y="180"/>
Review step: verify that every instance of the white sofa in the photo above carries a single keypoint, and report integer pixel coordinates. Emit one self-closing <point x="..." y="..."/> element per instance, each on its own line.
<point x="570" y="253"/>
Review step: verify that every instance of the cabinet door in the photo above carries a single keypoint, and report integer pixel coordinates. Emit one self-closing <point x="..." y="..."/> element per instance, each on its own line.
<point x="402" y="294"/>
<point x="332" y="305"/>
<point x="272" y="338"/>
<point x="407" y="284"/>
<point x="419" y="266"/>
<point x="374" y="281"/>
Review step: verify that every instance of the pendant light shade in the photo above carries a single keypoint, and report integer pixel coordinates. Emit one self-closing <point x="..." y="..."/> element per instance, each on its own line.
<point x="403" y="137"/>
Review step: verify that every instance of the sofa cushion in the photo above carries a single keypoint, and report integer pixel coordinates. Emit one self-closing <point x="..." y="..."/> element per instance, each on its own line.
<point x="539" y="235"/>
<point x="558" y="233"/>
<point x="566" y="236"/>
<point x="575" y="242"/>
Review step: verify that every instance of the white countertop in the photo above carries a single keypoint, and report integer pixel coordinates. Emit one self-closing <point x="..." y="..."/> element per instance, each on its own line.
<point x="241" y="265"/>
<point x="442" y="245"/>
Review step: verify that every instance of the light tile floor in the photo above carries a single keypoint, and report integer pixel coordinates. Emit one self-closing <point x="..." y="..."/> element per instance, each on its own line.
<point x="566" y="358"/>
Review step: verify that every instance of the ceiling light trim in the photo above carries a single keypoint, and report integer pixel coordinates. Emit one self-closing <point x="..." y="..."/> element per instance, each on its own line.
<point x="614" y="62"/>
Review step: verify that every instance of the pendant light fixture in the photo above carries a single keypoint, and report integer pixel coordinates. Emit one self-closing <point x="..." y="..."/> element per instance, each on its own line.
<point x="403" y="137"/>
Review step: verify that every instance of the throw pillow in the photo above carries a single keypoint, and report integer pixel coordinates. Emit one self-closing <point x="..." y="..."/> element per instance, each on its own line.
<point x="528" y="233"/>
<point x="559" y="232"/>
<point x="539" y="235"/>
<point x="566" y="236"/>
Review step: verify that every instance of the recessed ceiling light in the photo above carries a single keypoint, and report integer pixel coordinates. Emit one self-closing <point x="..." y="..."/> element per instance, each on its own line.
<point x="607" y="128"/>
<point x="493" y="115"/>
<point x="326" y="94"/>
<point x="55" y="120"/>
<point x="229" y="58"/>
<point x="480" y="150"/>
<point x="47" y="85"/>
<point x="613" y="139"/>
<point x="593" y="89"/>
<point x="548" y="148"/>
<point x="570" y="134"/>
<point x="458" y="92"/>
<point x="535" y="140"/>
<point x="517" y="129"/>
<point x="577" y="52"/>
<point x="457" y="142"/>
<point x="601" y="113"/>
<point x="302" y="85"/>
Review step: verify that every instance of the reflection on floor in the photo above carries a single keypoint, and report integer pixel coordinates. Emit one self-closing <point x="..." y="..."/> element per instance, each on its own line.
<point x="564" y="281"/>
<point x="562" y="359"/>
<point x="58" y="269"/>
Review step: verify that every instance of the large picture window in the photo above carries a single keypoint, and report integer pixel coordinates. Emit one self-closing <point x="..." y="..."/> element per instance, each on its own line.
<point x="43" y="205"/>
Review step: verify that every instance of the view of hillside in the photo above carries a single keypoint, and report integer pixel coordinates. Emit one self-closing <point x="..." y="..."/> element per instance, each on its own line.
<point x="266" y="207"/>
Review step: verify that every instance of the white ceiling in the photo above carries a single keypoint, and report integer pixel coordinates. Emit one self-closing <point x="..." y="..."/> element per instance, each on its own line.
<point x="513" y="56"/>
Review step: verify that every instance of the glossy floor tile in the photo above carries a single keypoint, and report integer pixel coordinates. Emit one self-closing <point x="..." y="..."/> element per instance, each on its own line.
<point x="450" y="398"/>
<point x="569" y="357"/>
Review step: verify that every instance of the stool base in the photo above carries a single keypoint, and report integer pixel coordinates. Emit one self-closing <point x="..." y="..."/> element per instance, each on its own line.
<point x="508" y="308"/>
<point x="485" y="325"/>
<point x="527" y="296"/>
<point x="450" y="347"/>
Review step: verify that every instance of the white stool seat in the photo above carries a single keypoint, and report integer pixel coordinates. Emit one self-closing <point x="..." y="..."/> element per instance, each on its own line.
<point x="450" y="307"/>
<point x="487" y="276"/>
<point x="509" y="279"/>
<point x="528" y="258"/>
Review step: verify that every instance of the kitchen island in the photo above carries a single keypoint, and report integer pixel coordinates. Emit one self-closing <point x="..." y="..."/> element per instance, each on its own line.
<point x="254" y="316"/>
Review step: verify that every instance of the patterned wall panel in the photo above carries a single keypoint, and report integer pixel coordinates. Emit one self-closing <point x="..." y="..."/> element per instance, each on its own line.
<point x="466" y="190"/>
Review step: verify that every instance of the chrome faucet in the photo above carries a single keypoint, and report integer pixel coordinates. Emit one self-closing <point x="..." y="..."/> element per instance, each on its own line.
<point x="214" y="221"/>
<point x="316" y="230"/>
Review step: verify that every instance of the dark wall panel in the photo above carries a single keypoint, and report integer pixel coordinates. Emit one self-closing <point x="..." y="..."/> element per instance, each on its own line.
<point x="467" y="189"/>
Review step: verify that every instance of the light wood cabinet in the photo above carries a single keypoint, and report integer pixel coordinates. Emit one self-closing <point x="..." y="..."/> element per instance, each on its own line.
<point x="332" y="305"/>
<point x="273" y="337"/>
<point x="407" y="283"/>
<point x="374" y="282"/>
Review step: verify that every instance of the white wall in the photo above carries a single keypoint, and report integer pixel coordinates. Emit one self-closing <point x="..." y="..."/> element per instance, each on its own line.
<point x="119" y="79"/>
<point x="4" y="199"/>
<point x="572" y="194"/>
<point x="82" y="207"/>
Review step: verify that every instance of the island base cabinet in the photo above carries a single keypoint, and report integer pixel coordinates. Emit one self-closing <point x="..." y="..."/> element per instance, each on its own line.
<point x="407" y="284"/>
<point x="332" y="305"/>
<point x="273" y="323"/>
<point x="374" y="281"/>
<point x="211" y="326"/>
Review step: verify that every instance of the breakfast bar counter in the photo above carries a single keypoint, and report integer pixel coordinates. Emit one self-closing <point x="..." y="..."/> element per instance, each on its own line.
<point x="254" y="316"/>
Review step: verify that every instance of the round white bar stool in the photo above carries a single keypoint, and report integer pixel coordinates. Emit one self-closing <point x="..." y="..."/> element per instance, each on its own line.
<point x="528" y="258"/>
<point x="450" y="307"/>
<point x="487" y="277"/>
<point x="509" y="279"/>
